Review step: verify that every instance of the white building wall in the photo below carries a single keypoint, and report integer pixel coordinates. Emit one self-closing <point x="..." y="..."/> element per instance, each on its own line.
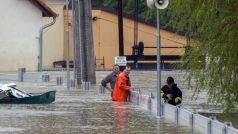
<point x="20" y="22"/>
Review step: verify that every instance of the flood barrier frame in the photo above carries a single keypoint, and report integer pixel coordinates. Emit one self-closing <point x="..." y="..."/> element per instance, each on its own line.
<point x="182" y="116"/>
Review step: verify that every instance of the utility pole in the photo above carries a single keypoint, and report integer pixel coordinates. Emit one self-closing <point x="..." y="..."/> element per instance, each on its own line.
<point x="120" y="29"/>
<point x="77" y="36"/>
<point x="87" y="47"/>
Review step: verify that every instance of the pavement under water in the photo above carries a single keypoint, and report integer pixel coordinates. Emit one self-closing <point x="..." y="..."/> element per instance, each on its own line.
<point x="81" y="112"/>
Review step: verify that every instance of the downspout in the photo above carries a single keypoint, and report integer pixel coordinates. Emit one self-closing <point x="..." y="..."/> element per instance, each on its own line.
<point x="40" y="58"/>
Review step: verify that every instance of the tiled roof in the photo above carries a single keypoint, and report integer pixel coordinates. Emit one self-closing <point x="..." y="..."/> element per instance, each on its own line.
<point x="46" y="10"/>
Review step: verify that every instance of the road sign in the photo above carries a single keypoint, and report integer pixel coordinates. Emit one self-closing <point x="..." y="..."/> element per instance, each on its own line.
<point x="120" y="60"/>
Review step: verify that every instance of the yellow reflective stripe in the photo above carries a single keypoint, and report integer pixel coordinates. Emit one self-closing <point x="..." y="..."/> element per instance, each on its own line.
<point x="177" y="99"/>
<point x="161" y="94"/>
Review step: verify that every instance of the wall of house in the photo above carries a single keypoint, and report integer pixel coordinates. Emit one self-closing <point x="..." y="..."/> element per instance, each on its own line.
<point x="105" y="35"/>
<point x="20" y="24"/>
<point x="106" y="38"/>
<point x="53" y="37"/>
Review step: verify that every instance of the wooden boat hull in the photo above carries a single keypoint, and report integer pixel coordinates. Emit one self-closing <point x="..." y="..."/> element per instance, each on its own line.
<point x="45" y="98"/>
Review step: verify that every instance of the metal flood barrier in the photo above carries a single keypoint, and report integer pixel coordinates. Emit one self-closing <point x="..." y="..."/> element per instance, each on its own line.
<point x="101" y="89"/>
<point x="23" y="76"/>
<point x="59" y="80"/>
<point x="45" y="78"/>
<point x="182" y="116"/>
<point x="8" y="77"/>
<point x="86" y="85"/>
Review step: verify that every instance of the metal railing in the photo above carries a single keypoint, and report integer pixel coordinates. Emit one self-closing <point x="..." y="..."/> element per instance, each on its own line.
<point x="182" y="116"/>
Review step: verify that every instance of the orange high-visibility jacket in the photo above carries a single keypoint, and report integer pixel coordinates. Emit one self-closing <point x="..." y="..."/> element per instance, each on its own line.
<point x="120" y="93"/>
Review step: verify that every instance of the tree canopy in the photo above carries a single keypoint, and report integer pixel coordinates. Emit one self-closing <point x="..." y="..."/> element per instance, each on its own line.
<point x="213" y="29"/>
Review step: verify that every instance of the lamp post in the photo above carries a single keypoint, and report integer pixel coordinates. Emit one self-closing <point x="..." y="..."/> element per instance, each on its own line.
<point x="159" y="111"/>
<point x="158" y="5"/>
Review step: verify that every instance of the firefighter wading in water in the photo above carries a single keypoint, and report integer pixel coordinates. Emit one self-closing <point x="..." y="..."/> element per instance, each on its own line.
<point x="122" y="86"/>
<point x="171" y="93"/>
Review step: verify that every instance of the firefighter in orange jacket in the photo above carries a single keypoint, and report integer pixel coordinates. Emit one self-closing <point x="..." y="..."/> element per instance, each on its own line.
<point x="122" y="86"/>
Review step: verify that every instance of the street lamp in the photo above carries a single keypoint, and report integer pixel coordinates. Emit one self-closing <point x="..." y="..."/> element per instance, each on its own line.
<point x="158" y="5"/>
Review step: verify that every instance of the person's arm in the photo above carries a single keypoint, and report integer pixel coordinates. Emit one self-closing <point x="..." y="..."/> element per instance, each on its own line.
<point x="122" y="84"/>
<point x="129" y="87"/>
<point x="166" y="97"/>
<point x="178" y="98"/>
<point x="105" y="81"/>
<point x="162" y="94"/>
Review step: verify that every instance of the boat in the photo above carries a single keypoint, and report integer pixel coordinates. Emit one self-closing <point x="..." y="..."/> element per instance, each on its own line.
<point x="9" y="94"/>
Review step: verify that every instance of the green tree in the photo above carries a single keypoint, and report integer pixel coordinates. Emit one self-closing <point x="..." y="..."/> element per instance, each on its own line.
<point x="144" y="12"/>
<point x="212" y="26"/>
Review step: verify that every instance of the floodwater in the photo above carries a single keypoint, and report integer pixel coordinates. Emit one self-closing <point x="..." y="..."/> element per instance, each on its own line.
<point x="87" y="112"/>
<point x="81" y="112"/>
<point x="147" y="82"/>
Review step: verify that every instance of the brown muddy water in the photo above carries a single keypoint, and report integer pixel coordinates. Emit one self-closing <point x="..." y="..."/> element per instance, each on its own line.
<point x="81" y="112"/>
<point x="77" y="111"/>
<point x="147" y="82"/>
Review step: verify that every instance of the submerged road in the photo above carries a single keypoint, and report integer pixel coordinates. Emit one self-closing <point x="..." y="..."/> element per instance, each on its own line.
<point x="81" y="112"/>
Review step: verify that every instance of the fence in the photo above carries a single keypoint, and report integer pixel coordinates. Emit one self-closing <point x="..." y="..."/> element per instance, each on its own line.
<point x="183" y="116"/>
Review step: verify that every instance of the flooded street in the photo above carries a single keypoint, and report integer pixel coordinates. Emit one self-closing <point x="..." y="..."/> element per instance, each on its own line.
<point x="78" y="112"/>
<point x="147" y="82"/>
<point x="87" y="112"/>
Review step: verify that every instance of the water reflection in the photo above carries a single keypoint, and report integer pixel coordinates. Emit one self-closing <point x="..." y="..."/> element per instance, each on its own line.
<point x="120" y="117"/>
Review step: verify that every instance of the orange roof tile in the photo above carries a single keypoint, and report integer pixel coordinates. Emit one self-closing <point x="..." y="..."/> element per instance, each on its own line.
<point x="46" y="10"/>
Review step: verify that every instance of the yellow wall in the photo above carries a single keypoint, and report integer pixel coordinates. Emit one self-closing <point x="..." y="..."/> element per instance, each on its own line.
<point x="53" y="37"/>
<point x="106" y="38"/>
<point x="105" y="33"/>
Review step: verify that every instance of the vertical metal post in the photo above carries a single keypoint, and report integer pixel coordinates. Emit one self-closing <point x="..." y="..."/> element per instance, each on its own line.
<point x="59" y="80"/>
<point x="67" y="43"/>
<point x="40" y="52"/>
<point x="21" y="74"/>
<point x="74" y="37"/>
<point x="150" y="104"/>
<point x="158" y="67"/>
<point x="80" y="58"/>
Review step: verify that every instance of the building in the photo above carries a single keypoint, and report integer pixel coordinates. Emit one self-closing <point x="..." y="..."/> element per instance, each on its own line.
<point x="105" y="35"/>
<point x="54" y="37"/>
<point x="105" y="28"/>
<point x="21" y="21"/>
